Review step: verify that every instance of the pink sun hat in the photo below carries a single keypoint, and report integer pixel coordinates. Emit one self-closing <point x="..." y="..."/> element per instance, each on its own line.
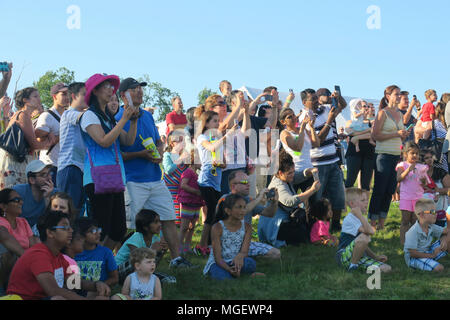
<point x="98" y="78"/>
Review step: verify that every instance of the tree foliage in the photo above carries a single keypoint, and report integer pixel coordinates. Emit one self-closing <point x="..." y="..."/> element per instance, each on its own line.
<point x="50" y="78"/>
<point x="204" y="94"/>
<point x="155" y="95"/>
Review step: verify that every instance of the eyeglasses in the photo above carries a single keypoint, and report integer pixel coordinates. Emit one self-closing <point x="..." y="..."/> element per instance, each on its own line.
<point x="244" y="182"/>
<point x="221" y="103"/>
<point x="16" y="200"/>
<point x="433" y="212"/>
<point x="95" y="230"/>
<point x="65" y="228"/>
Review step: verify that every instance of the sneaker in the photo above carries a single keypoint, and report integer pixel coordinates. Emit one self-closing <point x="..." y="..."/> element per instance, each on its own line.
<point x="181" y="262"/>
<point x="165" y="278"/>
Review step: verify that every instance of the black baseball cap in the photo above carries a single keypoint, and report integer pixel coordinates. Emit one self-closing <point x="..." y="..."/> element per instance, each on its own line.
<point x="130" y="83"/>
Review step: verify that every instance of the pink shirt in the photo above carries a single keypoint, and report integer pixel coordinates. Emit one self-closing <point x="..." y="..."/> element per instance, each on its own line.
<point x="22" y="233"/>
<point x="320" y="229"/>
<point x="427" y="111"/>
<point x="411" y="187"/>
<point x="185" y="197"/>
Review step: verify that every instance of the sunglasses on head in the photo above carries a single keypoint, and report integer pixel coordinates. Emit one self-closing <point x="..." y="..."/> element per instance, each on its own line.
<point x="244" y="182"/>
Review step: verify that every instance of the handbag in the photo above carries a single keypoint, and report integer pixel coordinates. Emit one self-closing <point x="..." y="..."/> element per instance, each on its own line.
<point x="107" y="178"/>
<point x="434" y="145"/>
<point x="13" y="141"/>
<point x="296" y="230"/>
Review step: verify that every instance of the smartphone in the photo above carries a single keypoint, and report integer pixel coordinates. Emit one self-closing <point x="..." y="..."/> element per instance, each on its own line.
<point x="337" y="89"/>
<point x="236" y="122"/>
<point x="128" y="96"/>
<point x="268" y="97"/>
<point x="310" y="114"/>
<point x="415" y="97"/>
<point x="4" y="66"/>
<point x="291" y="91"/>
<point x="245" y="96"/>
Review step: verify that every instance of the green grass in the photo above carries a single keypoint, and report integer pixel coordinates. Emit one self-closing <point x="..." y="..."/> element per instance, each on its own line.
<point x="311" y="272"/>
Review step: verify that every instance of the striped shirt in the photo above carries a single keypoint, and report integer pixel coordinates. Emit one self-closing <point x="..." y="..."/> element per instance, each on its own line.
<point x="71" y="144"/>
<point x="326" y="153"/>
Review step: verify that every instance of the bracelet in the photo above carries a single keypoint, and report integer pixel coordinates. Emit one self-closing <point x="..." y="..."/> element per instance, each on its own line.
<point x="288" y="101"/>
<point x="328" y="125"/>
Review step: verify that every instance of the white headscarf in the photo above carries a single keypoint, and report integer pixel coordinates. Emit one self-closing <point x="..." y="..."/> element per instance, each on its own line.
<point x="355" y="106"/>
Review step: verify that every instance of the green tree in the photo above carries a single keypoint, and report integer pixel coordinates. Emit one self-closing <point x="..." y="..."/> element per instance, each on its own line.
<point x="50" y="78"/>
<point x="204" y="94"/>
<point x="157" y="96"/>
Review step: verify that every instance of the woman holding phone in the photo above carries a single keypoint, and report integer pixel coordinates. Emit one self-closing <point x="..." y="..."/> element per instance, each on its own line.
<point x="102" y="136"/>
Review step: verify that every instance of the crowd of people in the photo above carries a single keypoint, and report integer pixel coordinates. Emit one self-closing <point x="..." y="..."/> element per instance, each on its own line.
<point x="93" y="196"/>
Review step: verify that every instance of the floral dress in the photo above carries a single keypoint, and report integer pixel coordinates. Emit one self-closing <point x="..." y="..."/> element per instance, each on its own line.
<point x="231" y="243"/>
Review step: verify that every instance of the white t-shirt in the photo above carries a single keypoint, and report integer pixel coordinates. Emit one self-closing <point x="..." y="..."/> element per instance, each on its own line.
<point x="351" y="224"/>
<point x="302" y="161"/>
<point x="89" y="118"/>
<point x="46" y="122"/>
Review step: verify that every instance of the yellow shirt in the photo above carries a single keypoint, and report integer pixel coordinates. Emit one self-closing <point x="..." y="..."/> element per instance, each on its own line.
<point x="390" y="146"/>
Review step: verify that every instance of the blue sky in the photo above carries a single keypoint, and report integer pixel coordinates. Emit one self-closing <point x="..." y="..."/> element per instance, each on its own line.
<point x="189" y="45"/>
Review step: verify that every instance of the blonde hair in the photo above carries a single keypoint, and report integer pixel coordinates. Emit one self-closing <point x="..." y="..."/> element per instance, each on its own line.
<point x="424" y="204"/>
<point x="429" y="92"/>
<point x="353" y="194"/>
<point x="139" y="254"/>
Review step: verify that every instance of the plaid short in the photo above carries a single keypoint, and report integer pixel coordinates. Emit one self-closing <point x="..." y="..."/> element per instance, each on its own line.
<point x="258" y="249"/>
<point x="427" y="264"/>
<point x="344" y="256"/>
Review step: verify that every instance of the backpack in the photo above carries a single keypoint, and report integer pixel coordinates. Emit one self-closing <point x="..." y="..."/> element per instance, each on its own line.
<point x="296" y="230"/>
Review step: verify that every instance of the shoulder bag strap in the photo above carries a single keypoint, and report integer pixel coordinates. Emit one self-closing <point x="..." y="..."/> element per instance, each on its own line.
<point x="54" y="115"/>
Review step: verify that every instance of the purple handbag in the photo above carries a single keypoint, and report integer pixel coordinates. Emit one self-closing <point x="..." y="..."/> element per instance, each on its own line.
<point x="107" y="178"/>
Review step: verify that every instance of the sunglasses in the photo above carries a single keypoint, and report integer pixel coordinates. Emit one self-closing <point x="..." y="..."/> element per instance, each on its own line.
<point x="96" y="230"/>
<point x="16" y="200"/>
<point x="221" y="103"/>
<point x="433" y="212"/>
<point x="65" y="228"/>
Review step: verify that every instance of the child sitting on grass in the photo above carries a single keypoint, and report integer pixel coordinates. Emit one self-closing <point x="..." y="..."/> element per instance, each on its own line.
<point x="96" y="262"/>
<point x="420" y="252"/>
<point x="353" y="250"/>
<point x="230" y="237"/>
<point x="321" y="213"/>
<point x="148" y="228"/>
<point x="141" y="284"/>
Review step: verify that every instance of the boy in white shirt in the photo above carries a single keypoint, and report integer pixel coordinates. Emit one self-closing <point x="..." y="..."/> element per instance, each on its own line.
<point x="353" y="250"/>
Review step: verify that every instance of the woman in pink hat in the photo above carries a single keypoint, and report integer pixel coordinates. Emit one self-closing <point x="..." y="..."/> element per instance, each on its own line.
<point x="103" y="136"/>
